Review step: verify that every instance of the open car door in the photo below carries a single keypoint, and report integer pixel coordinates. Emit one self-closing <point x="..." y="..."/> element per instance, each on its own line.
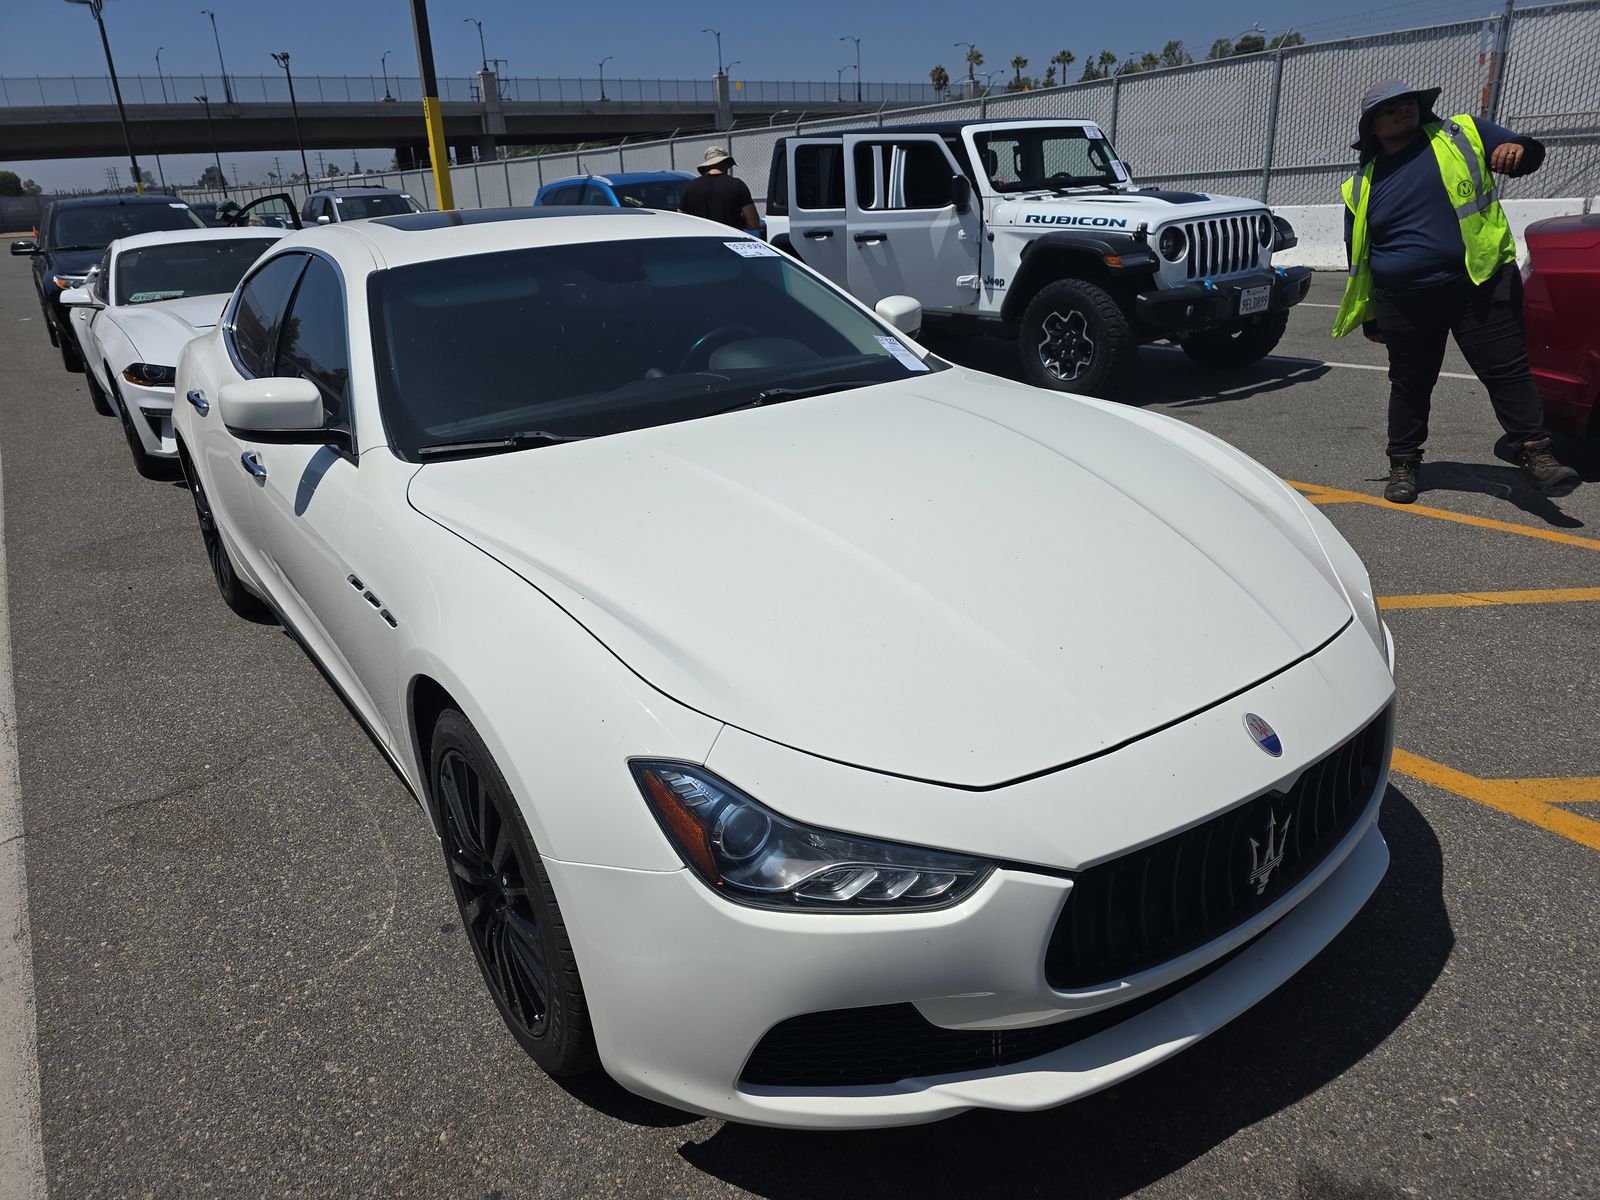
<point x="276" y="211"/>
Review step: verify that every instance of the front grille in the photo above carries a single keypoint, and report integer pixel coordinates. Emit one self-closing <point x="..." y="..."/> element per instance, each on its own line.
<point x="853" y="1047"/>
<point x="1223" y="245"/>
<point x="1166" y="899"/>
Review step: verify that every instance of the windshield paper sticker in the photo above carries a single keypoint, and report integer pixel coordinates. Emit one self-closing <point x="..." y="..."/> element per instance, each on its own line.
<point x="902" y="355"/>
<point x="170" y="205"/>
<point x="151" y="297"/>
<point x="751" y="248"/>
<point x="1094" y="132"/>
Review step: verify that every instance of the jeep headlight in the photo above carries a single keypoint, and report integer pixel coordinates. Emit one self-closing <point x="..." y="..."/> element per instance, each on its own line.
<point x="1172" y="243"/>
<point x="748" y="853"/>
<point x="1264" y="228"/>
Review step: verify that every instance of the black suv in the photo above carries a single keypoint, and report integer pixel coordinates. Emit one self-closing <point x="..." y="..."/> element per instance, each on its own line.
<point x="73" y="236"/>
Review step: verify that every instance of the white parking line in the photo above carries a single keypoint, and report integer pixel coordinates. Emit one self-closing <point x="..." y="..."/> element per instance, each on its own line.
<point x="21" y="1152"/>
<point x="1321" y="362"/>
<point x="1309" y="304"/>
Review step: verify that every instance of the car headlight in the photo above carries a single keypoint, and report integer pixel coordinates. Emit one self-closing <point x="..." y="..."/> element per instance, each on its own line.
<point x="1172" y="243"/>
<point x="63" y="282"/>
<point x="147" y="375"/>
<point x="752" y="855"/>
<point x="1265" y="228"/>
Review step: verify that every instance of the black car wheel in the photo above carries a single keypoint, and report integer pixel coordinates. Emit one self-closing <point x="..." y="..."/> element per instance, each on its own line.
<point x="1238" y="346"/>
<point x="147" y="464"/>
<point x="234" y="594"/>
<point x="1074" y="338"/>
<point x="71" y="359"/>
<point x="507" y="905"/>
<point x="97" y="394"/>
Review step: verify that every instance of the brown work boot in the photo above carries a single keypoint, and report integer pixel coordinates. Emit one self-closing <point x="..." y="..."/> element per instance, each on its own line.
<point x="1549" y="476"/>
<point x="1402" y="485"/>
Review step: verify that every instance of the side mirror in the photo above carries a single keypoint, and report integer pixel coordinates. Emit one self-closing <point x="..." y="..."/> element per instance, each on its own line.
<point x="79" y="297"/>
<point x="24" y="247"/>
<point x="274" y="410"/>
<point x="903" y="312"/>
<point x="324" y="219"/>
<point x="961" y="192"/>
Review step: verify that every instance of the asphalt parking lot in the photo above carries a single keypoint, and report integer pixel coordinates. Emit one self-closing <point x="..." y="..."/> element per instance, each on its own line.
<point x="250" y="979"/>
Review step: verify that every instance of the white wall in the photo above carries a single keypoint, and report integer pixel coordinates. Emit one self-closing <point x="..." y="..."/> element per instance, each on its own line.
<point x="1320" y="228"/>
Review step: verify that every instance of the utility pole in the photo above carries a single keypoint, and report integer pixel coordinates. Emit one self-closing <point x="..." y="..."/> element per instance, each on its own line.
<point x="227" y="88"/>
<point x="437" y="153"/>
<point x="277" y="168"/>
<point x="857" y="41"/>
<point x="282" y="59"/>
<point x="95" y="6"/>
<point x="222" y="180"/>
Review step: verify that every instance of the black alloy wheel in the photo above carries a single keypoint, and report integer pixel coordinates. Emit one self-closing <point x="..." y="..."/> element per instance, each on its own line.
<point x="234" y="594"/>
<point x="1074" y="338"/>
<point x="508" y="907"/>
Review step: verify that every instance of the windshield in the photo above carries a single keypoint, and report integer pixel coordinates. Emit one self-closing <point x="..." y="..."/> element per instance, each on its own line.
<point x="1028" y="159"/>
<point x="177" y="269"/>
<point x="358" y="208"/>
<point x="605" y="337"/>
<point x="96" y="226"/>
<point x="666" y="193"/>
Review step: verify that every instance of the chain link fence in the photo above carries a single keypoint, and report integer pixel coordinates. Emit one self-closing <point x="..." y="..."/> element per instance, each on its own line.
<point x="1275" y="126"/>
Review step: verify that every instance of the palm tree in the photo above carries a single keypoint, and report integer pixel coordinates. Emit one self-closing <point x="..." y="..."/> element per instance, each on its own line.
<point x="974" y="60"/>
<point x="940" y="78"/>
<point x="1017" y="64"/>
<point x="1063" y="59"/>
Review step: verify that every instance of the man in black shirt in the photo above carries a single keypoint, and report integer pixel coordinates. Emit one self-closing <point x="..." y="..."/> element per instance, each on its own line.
<point x="718" y="196"/>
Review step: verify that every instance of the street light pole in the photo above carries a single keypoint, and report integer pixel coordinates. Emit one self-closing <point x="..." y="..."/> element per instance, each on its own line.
<point x="222" y="180"/>
<point x="94" y="7"/>
<point x="282" y="59"/>
<point x="838" y="82"/>
<point x="857" y="41"/>
<point x="159" y="75"/>
<point x="603" y="63"/>
<point x="717" y="33"/>
<point x="227" y="88"/>
<point x="481" y="48"/>
<point x="384" y="59"/>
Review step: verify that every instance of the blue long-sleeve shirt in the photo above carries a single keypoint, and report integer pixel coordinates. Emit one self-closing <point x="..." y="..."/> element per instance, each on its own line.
<point x="1415" y="233"/>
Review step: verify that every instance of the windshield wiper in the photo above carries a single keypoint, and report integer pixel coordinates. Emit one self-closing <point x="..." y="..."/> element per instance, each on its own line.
<point x="512" y="441"/>
<point x="777" y="395"/>
<point x="71" y="248"/>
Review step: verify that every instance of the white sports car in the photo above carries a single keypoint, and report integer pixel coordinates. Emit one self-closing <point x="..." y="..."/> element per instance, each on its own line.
<point x="149" y="295"/>
<point x="817" y="733"/>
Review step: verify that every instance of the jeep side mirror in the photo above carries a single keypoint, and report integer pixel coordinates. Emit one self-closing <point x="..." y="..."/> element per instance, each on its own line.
<point x="961" y="192"/>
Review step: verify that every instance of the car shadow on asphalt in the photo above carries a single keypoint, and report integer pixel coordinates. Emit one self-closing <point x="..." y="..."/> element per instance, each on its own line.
<point x="1332" y="1014"/>
<point x="1158" y="374"/>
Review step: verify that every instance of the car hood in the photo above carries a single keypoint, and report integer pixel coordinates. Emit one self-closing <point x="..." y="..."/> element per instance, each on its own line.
<point x="159" y="329"/>
<point x="1121" y="212"/>
<point x="951" y="578"/>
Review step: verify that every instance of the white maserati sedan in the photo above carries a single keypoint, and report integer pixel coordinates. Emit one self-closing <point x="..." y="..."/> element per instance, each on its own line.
<point x="149" y="295"/>
<point x="818" y="733"/>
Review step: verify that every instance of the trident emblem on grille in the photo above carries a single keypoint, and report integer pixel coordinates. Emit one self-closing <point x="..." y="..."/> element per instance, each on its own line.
<point x="1262" y="866"/>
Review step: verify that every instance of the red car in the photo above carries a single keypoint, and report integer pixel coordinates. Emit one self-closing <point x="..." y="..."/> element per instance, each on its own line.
<point x="1561" y="296"/>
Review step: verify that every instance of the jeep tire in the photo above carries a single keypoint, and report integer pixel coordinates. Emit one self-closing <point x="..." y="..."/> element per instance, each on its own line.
<point x="1234" y="346"/>
<point x="1074" y="338"/>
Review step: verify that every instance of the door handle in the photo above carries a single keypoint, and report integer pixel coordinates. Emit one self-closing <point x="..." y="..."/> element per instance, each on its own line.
<point x="252" y="464"/>
<point x="816" y="235"/>
<point x="198" y="399"/>
<point x="872" y="238"/>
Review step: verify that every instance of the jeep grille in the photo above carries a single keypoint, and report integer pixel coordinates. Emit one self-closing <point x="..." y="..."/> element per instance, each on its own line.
<point x="1223" y="245"/>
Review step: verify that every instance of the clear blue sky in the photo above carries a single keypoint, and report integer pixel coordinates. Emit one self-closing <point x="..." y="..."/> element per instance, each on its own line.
<point x="661" y="39"/>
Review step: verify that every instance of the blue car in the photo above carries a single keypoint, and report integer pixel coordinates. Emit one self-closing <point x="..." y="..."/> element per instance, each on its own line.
<point x="627" y="189"/>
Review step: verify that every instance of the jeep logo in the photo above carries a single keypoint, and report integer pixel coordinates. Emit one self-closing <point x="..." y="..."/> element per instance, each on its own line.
<point x="1059" y="219"/>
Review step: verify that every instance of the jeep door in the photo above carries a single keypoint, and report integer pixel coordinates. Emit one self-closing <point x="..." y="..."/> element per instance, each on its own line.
<point x="910" y="231"/>
<point x="816" y="205"/>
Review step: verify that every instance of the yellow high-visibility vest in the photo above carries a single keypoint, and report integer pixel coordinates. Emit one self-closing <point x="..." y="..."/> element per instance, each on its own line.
<point x="1464" y="172"/>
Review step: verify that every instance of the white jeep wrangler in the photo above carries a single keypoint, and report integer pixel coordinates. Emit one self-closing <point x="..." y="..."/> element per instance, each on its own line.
<point x="1033" y="229"/>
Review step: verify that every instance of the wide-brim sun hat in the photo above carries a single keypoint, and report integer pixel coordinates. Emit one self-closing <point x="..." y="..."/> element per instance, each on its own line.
<point x="715" y="156"/>
<point x="1392" y="89"/>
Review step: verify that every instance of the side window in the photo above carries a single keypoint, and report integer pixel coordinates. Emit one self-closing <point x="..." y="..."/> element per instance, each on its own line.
<point x="564" y="195"/>
<point x="597" y="197"/>
<point x="261" y="303"/>
<point x="819" y="177"/>
<point x="100" y="289"/>
<point x="869" y="175"/>
<point x="314" y="345"/>
<point x="902" y="175"/>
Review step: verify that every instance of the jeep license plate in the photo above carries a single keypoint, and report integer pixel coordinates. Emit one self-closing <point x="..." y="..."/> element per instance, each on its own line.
<point x="1254" y="300"/>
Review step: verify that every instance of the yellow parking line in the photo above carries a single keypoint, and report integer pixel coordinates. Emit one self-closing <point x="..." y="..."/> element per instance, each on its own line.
<point x="1531" y="800"/>
<point x="1318" y="494"/>
<point x="1482" y="599"/>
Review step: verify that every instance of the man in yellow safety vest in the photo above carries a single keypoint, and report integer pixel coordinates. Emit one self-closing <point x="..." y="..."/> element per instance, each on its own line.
<point x="1431" y="255"/>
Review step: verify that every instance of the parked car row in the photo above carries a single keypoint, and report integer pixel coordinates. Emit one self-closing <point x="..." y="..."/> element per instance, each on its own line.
<point x="817" y="732"/>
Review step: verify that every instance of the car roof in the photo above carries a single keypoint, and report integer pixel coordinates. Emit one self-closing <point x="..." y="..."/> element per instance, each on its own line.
<point x="359" y="191"/>
<point x="949" y="128"/>
<point x="424" y="237"/>
<point x="623" y="178"/>
<point x="165" y="237"/>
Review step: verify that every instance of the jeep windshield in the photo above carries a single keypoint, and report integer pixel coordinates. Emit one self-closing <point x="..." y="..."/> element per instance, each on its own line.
<point x="1052" y="157"/>
<point x="543" y="345"/>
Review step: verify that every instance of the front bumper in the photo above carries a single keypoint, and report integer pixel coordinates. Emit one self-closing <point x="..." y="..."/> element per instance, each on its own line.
<point x="150" y="412"/>
<point x="1216" y="302"/>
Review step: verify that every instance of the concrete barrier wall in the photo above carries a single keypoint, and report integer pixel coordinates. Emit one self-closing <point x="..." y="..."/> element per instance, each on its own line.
<point x="1320" y="228"/>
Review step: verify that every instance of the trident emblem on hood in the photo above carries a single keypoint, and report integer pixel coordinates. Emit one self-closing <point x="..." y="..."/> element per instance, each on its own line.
<point x="1263" y="865"/>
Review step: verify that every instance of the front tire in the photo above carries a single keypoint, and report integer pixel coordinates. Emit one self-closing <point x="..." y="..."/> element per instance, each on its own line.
<point x="97" y="394"/>
<point x="147" y="464"/>
<point x="234" y="594"/>
<point x="1228" y="348"/>
<point x="1074" y="338"/>
<point x="508" y="907"/>
<point x="70" y="358"/>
